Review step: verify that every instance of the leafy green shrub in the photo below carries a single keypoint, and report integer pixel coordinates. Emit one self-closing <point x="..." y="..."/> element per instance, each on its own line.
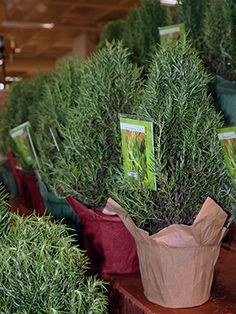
<point x="22" y="104"/>
<point x="189" y="163"/>
<point x="113" y="30"/>
<point x="42" y="271"/>
<point x="191" y="13"/>
<point x="91" y="145"/>
<point x="140" y="32"/>
<point x="61" y="93"/>
<point x="219" y="39"/>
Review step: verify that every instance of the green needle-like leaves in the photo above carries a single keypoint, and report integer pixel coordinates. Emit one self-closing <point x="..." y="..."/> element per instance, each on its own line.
<point x="42" y="271"/>
<point x="91" y="139"/>
<point x="189" y="163"/>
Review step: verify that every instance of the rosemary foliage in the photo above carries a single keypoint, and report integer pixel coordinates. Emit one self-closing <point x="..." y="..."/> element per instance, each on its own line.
<point x="219" y="38"/>
<point x="113" y="31"/>
<point x="23" y="103"/>
<point x="61" y="93"/>
<point x="139" y="31"/>
<point x="189" y="163"/>
<point x="42" y="271"/>
<point x="191" y="13"/>
<point x="91" y="145"/>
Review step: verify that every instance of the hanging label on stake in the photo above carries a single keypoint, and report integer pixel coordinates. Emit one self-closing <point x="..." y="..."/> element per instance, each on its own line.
<point x="171" y="33"/>
<point x="24" y="143"/>
<point x="227" y="137"/>
<point x="138" y="150"/>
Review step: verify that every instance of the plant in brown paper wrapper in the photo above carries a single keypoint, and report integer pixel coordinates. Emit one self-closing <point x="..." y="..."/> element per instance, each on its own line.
<point x="189" y="165"/>
<point x="177" y="263"/>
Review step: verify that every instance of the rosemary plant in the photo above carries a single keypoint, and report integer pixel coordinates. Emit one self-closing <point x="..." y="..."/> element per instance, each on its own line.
<point x="42" y="271"/>
<point x="113" y="30"/>
<point x="139" y="32"/>
<point x="91" y="145"/>
<point x="219" y="38"/>
<point x="22" y="104"/>
<point x="191" y="13"/>
<point x="60" y="94"/>
<point x="189" y="163"/>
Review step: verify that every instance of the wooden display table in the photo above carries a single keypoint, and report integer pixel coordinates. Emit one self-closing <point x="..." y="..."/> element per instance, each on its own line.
<point x="126" y="292"/>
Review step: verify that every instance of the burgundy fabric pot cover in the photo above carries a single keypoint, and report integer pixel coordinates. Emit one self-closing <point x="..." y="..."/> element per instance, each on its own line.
<point x="109" y="244"/>
<point x="27" y="185"/>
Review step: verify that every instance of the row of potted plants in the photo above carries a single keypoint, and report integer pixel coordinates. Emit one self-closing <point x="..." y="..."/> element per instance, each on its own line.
<point x="74" y="114"/>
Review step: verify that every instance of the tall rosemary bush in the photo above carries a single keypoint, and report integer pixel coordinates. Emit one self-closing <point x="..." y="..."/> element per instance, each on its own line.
<point x="61" y="93"/>
<point x="113" y="30"/>
<point x="91" y="145"/>
<point x="42" y="271"/>
<point x="191" y="13"/>
<point x="23" y="102"/>
<point x="189" y="163"/>
<point x="141" y="32"/>
<point x="140" y="29"/>
<point x="219" y="38"/>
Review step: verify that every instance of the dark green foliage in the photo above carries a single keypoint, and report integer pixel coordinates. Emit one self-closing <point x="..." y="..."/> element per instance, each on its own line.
<point x="113" y="30"/>
<point x="189" y="163"/>
<point x="60" y="94"/>
<point x="219" y="39"/>
<point x="191" y="13"/>
<point x="22" y="104"/>
<point x="42" y="271"/>
<point x="91" y="145"/>
<point x="139" y="31"/>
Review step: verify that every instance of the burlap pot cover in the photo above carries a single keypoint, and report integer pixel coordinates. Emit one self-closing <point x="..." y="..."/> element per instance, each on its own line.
<point x="177" y="263"/>
<point x="109" y="244"/>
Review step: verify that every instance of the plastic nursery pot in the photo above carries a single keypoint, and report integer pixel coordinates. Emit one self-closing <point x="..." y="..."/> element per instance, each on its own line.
<point x="27" y="186"/>
<point x="109" y="244"/>
<point x="177" y="263"/>
<point x="60" y="210"/>
<point x="226" y="99"/>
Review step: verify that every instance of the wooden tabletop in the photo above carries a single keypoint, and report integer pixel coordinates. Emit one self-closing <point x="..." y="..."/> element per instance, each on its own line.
<point x="127" y="296"/>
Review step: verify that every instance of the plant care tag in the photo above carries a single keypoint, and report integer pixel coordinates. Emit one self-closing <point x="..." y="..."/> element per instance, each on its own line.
<point x="171" y="33"/>
<point x="138" y="150"/>
<point x="227" y="137"/>
<point x="24" y="143"/>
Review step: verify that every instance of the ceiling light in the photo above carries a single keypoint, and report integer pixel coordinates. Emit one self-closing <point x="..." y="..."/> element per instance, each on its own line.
<point x="22" y="24"/>
<point x="2" y="86"/>
<point x="17" y="50"/>
<point x="12" y="79"/>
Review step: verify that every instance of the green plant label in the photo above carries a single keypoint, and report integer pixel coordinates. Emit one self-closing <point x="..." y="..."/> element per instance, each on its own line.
<point x="171" y="32"/>
<point x="227" y="137"/>
<point x="138" y="150"/>
<point x="23" y="140"/>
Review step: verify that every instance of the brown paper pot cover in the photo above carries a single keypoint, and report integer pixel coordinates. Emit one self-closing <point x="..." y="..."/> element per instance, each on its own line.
<point x="177" y="263"/>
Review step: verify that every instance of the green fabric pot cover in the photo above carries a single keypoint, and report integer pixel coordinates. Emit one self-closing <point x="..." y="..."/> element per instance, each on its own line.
<point x="9" y="181"/>
<point x="226" y="99"/>
<point x="60" y="210"/>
